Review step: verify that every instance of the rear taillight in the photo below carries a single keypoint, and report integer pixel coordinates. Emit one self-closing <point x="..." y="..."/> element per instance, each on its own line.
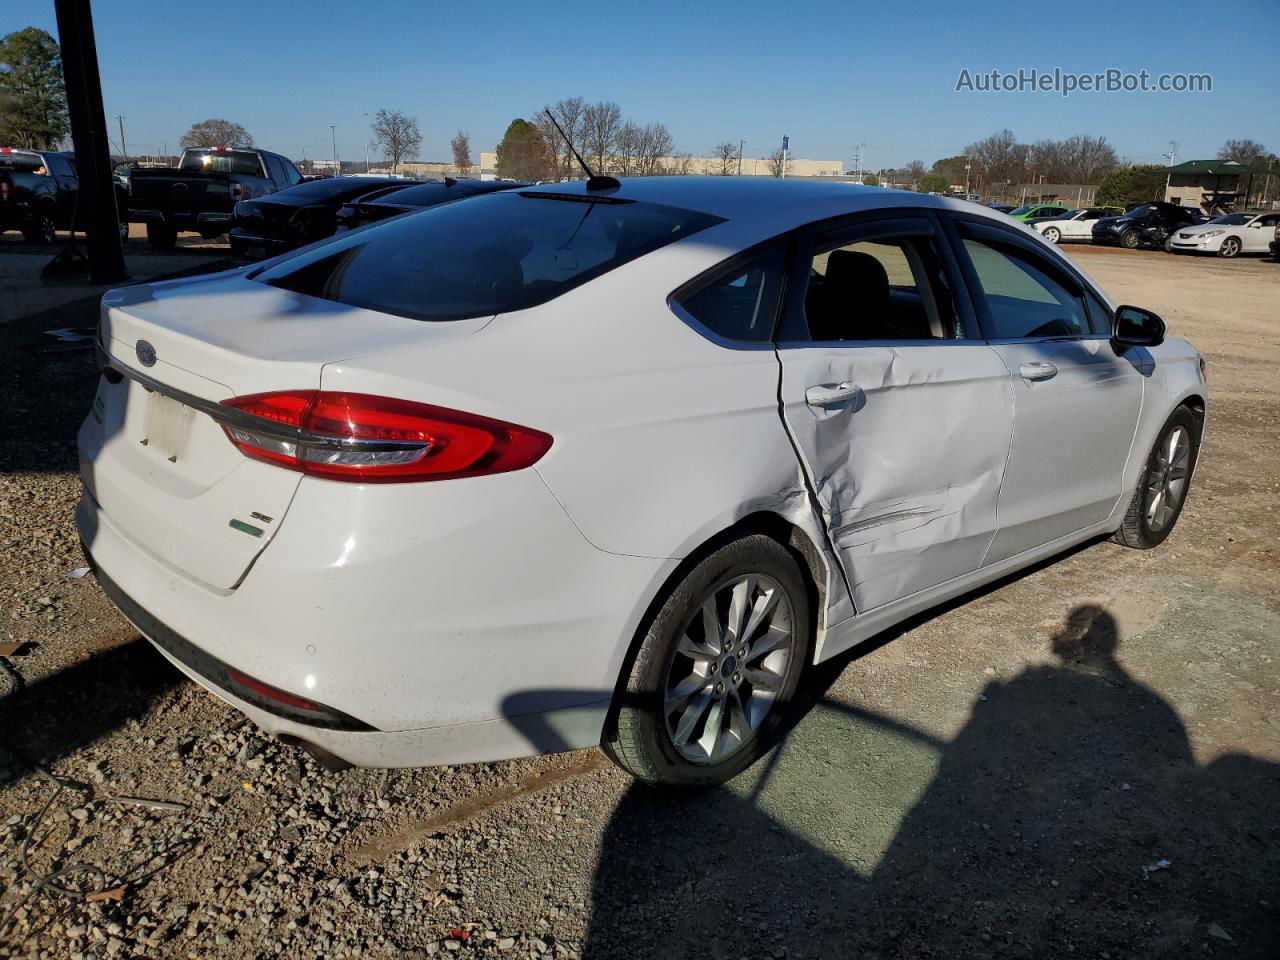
<point x="367" y="439"/>
<point x="237" y="192"/>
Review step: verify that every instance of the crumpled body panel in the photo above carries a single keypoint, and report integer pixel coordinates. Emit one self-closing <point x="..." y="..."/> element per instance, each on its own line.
<point x="908" y="468"/>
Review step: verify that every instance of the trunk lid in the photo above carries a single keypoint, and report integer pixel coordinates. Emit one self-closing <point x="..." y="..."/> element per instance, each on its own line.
<point x="153" y="454"/>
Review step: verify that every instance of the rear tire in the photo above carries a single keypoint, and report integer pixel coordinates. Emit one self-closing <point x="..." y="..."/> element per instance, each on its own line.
<point x="41" y="230"/>
<point x="696" y="710"/>
<point x="1163" y="483"/>
<point x="161" y="236"/>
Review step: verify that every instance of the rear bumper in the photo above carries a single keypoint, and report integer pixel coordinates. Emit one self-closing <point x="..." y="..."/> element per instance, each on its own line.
<point x="472" y="634"/>
<point x="182" y="221"/>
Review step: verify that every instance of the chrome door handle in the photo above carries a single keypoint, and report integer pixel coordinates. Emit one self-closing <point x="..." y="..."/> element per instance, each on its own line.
<point x="831" y="394"/>
<point x="1038" y="370"/>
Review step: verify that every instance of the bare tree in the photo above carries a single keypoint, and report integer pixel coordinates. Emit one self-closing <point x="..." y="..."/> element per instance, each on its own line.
<point x="681" y="165"/>
<point x="627" y="149"/>
<point x="397" y="134"/>
<point x="569" y="114"/>
<point x="216" y="133"/>
<point x="726" y="156"/>
<point x="999" y="156"/>
<point x="1250" y="153"/>
<point x="461" y="146"/>
<point x="655" y="144"/>
<point x="1087" y="159"/>
<point x="777" y="162"/>
<point x="601" y="123"/>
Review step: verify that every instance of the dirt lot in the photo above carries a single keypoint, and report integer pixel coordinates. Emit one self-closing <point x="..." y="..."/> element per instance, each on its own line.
<point x="1082" y="761"/>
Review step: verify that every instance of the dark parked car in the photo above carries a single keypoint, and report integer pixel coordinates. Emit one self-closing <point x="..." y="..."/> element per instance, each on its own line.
<point x="1003" y="207"/>
<point x="372" y="209"/>
<point x="1147" y="225"/>
<point x="200" y="194"/>
<point x="298" y="215"/>
<point x="39" y="193"/>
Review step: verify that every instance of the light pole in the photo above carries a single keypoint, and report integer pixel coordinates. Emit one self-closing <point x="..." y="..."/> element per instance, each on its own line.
<point x="333" y="136"/>
<point x="123" y="149"/>
<point x="366" y="148"/>
<point x="741" y="144"/>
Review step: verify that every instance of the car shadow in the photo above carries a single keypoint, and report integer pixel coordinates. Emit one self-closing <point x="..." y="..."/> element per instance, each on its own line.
<point x="51" y="718"/>
<point x="1068" y="817"/>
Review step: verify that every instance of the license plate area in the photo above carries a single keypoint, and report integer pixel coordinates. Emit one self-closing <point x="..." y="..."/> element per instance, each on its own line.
<point x="166" y="430"/>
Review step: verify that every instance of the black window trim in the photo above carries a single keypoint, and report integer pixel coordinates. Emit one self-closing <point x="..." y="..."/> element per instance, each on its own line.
<point x="1011" y="236"/>
<point x="895" y="221"/>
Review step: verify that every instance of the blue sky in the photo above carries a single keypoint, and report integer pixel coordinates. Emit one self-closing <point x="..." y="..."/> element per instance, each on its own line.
<point x="828" y="75"/>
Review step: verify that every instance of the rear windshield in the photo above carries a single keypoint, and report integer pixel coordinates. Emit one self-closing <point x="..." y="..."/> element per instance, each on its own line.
<point x="493" y="254"/>
<point x="223" y="161"/>
<point x="336" y="186"/>
<point x="429" y="194"/>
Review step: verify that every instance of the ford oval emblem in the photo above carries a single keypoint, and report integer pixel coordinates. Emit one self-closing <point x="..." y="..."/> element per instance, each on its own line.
<point x="146" y="353"/>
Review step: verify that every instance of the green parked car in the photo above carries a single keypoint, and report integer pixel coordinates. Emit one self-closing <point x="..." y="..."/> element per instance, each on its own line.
<point x="1041" y="211"/>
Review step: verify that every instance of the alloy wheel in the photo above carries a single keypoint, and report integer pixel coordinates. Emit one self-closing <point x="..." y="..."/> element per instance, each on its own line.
<point x="1052" y="235"/>
<point x="1230" y="247"/>
<point x="728" y="667"/>
<point x="1167" y="481"/>
<point x="1130" y="239"/>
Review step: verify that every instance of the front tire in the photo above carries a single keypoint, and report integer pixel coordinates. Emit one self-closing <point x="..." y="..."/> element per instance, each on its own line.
<point x="1230" y="247"/>
<point x="1163" y="483"/>
<point x="1052" y="234"/>
<point x="716" y="668"/>
<point x="1130" y="240"/>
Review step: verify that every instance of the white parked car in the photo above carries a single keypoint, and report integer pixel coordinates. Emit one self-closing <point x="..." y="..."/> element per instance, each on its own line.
<point x="1228" y="236"/>
<point x="560" y="467"/>
<point x="1077" y="225"/>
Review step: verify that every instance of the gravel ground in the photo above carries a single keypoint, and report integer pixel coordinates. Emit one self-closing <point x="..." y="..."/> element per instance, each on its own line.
<point x="1083" y="760"/>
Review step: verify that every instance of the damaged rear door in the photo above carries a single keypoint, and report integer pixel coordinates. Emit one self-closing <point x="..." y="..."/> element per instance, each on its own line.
<point x="901" y="414"/>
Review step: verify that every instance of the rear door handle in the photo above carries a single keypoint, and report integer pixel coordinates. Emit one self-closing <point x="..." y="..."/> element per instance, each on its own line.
<point x="831" y="394"/>
<point x="1038" y="370"/>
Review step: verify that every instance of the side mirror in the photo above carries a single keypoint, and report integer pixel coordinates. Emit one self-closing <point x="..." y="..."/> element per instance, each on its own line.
<point x="1136" y="327"/>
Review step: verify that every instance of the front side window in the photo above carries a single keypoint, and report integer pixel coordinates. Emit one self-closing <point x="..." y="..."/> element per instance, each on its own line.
<point x="1025" y="296"/>
<point x="886" y="288"/>
<point x="741" y="303"/>
<point x="491" y="254"/>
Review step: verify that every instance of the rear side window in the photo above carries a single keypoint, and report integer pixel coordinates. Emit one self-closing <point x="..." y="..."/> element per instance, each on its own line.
<point x="741" y="303"/>
<point x="486" y="255"/>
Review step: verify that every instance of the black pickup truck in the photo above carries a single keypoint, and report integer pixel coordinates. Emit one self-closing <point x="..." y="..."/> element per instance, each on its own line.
<point x="199" y="195"/>
<point x="39" y="193"/>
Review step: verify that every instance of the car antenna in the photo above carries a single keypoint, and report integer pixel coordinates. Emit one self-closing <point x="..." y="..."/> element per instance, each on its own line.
<point x="593" y="182"/>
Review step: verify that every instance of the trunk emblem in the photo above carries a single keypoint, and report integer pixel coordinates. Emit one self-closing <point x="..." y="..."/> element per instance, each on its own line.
<point x="146" y="353"/>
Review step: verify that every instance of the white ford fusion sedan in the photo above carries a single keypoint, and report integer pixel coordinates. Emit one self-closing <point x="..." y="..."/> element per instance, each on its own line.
<point x="611" y="464"/>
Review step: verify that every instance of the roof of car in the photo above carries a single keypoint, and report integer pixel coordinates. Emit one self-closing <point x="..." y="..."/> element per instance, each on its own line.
<point x="770" y="198"/>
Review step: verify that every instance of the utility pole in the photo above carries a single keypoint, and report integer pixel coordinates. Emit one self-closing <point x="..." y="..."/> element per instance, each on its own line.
<point x="123" y="149"/>
<point x="967" y="164"/>
<point x="741" y="144"/>
<point x="333" y="135"/>
<point x="786" y="143"/>
<point x="89" y="135"/>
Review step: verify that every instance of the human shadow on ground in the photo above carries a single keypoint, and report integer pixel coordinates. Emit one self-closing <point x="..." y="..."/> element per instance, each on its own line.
<point x="1026" y="835"/>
